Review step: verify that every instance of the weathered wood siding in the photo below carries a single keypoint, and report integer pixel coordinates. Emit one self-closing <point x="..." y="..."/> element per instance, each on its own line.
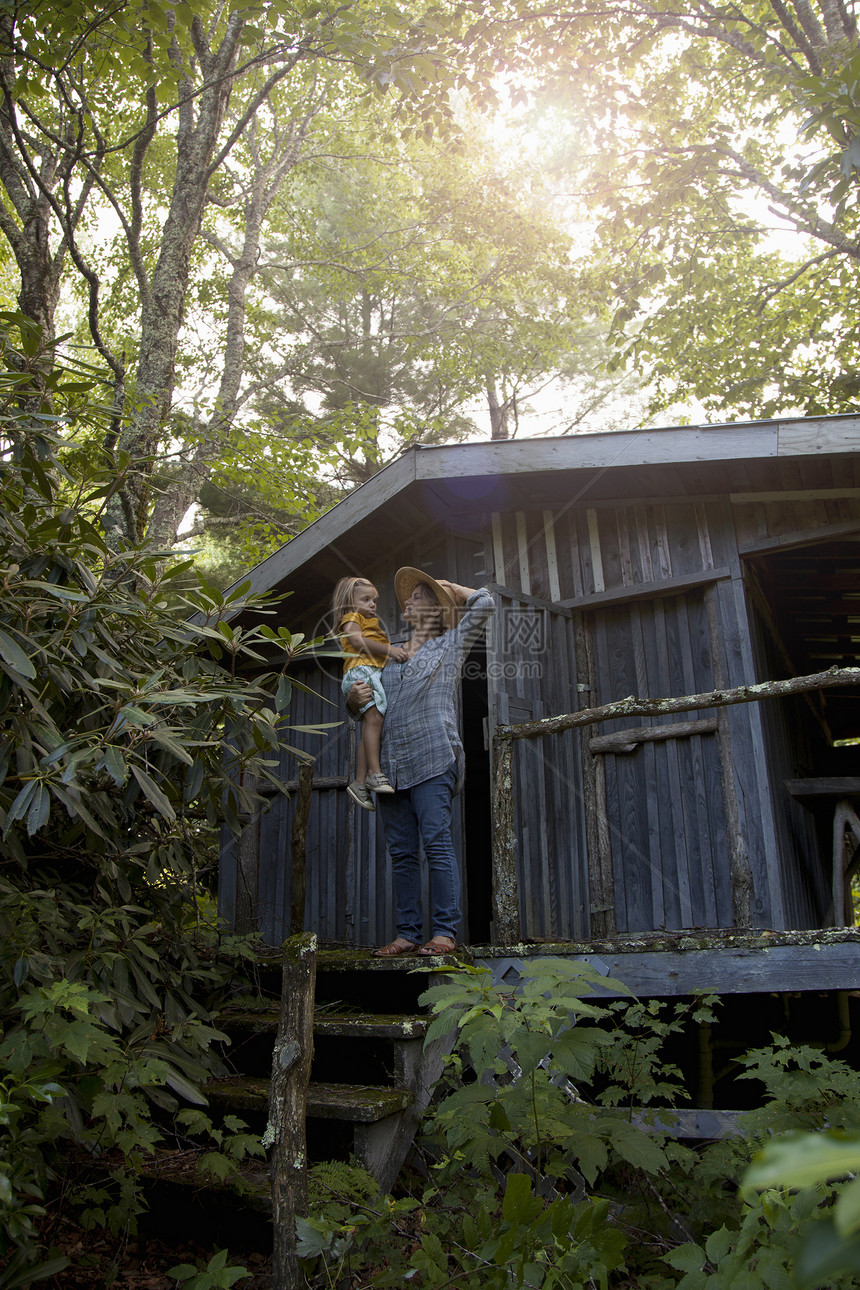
<point x="349" y="880"/>
<point x="664" y="800"/>
<point x="661" y="587"/>
<point x="532" y="673"/>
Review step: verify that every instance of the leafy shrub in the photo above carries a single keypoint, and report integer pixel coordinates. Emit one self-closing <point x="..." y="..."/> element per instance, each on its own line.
<point x="121" y="684"/>
<point x="217" y="1275"/>
<point x="549" y="1169"/>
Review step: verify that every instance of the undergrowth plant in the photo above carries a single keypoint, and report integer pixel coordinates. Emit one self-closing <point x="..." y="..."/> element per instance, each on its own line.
<point x="548" y="1164"/>
<point x="122" y="683"/>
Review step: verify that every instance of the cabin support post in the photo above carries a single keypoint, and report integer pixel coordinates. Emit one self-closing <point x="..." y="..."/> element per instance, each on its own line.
<point x="248" y="867"/>
<point x="298" y="848"/>
<point x="285" y="1132"/>
<point x="506" y="903"/>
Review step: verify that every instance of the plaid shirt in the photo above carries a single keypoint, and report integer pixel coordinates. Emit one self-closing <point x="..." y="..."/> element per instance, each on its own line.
<point x="420" y="738"/>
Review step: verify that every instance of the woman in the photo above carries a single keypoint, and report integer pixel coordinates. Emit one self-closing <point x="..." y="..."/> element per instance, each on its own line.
<point x="422" y="752"/>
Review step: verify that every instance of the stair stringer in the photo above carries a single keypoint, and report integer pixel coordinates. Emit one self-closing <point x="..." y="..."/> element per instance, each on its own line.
<point x="381" y="1148"/>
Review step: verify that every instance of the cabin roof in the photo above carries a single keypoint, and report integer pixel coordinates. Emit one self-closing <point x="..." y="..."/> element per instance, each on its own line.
<point x="453" y="487"/>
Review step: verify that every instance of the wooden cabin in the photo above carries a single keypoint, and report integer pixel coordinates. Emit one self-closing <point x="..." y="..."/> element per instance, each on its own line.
<point x="652" y="563"/>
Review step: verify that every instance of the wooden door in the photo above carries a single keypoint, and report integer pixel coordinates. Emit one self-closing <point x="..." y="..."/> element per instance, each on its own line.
<point x="531" y="673"/>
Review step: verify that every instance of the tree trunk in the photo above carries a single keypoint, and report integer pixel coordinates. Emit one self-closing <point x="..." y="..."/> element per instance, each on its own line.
<point x="29" y="235"/>
<point x="173" y="502"/>
<point x="499" y="411"/>
<point x="162" y="312"/>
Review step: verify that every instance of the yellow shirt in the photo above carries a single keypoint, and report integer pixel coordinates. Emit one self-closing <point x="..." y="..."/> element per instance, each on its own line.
<point x="370" y="629"/>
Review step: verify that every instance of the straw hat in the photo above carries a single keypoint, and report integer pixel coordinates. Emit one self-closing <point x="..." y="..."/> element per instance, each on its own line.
<point x="407" y="579"/>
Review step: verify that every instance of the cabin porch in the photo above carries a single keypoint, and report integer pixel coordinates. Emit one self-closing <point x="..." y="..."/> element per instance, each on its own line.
<point x="689" y="561"/>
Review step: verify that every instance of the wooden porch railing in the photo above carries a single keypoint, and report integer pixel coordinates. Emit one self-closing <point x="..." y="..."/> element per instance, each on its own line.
<point x="506" y="911"/>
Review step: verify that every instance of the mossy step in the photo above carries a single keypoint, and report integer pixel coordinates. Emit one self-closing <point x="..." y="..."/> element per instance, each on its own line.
<point x="370" y="1026"/>
<point x="346" y="1024"/>
<point x="180" y="1169"/>
<point x="357" y="960"/>
<point x="356" y="1103"/>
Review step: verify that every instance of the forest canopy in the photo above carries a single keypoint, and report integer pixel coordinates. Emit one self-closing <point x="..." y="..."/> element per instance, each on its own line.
<point x="297" y="238"/>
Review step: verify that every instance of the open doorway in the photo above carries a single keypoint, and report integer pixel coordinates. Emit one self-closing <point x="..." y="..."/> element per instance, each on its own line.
<point x="476" y="803"/>
<point x="808" y="600"/>
<point x="806" y="616"/>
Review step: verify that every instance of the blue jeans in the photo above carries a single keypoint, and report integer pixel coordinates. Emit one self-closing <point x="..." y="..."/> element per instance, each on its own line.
<point x="423" y="811"/>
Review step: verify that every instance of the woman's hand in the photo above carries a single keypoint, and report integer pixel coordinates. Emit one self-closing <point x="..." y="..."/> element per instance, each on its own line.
<point x="360" y="694"/>
<point x="459" y="594"/>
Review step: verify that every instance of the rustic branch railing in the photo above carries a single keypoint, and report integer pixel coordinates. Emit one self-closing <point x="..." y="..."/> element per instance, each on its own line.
<point x="506" y="913"/>
<point x="285" y="1132"/>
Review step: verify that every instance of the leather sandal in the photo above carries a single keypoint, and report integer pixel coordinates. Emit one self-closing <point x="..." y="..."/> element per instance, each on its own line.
<point x="439" y="945"/>
<point x="398" y="946"/>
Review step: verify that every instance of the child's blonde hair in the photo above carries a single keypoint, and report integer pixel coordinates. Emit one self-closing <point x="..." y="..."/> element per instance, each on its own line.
<point x="343" y="598"/>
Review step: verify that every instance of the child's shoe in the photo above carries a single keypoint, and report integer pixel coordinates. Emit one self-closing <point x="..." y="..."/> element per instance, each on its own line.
<point x="378" y="784"/>
<point x="359" y="794"/>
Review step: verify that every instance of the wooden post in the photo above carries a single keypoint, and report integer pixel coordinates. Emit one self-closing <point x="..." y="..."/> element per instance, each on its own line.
<point x="506" y="904"/>
<point x="298" y="848"/>
<point x="285" y="1132"/>
<point x="248" y="867"/>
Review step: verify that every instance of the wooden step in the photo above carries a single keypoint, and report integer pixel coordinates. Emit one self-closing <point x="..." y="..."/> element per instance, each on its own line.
<point x="329" y="1023"/>
<point x="179" y="1168"/>
<point x="381" y="1026"/>
<point x="355" y="1103"/>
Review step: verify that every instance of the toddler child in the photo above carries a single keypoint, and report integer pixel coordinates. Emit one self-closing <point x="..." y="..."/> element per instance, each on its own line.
<point x="368" y="649"/>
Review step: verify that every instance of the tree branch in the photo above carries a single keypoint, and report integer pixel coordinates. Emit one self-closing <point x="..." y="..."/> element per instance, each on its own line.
<point x="786" y="282"/>
<point x="252" y="107"/>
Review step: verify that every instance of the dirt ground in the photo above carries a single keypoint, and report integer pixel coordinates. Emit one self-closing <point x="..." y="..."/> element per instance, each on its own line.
<point x="99" y="1259"/>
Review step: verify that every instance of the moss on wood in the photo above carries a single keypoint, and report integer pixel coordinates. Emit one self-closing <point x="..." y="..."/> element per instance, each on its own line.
<point x="357" y="1025"/>
<point x="684" y="940"/>
<point x="362" y="1104"/>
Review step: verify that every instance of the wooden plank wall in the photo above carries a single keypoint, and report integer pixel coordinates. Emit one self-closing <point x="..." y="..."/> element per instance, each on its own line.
<point x="660" y="587"/>
<point x="533" y="674"/>
<point x="664" y="801"/>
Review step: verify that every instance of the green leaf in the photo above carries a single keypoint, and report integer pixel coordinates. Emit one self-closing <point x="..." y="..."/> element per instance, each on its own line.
<point x="115" y="764"/>
<point x="824" y="1255"/>
<point x="801" y="1160"/>
<point x="686" y="1258"/>
<point x="19" y="1272"/>
<point x="846" y="1213"/>
<point x="182" y="1271"/>
<point x="718" y="1244"/>
<point x="314" y="1238"/>
<point x="153" y="793"/>
<point x="184" y="1087"/>
<point x="40" y="809"/>
<point x="516" y="1206"/>
<point x="283" y="693"/>
<point x="21" y="804"/>
<point x="12" y="654"/>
